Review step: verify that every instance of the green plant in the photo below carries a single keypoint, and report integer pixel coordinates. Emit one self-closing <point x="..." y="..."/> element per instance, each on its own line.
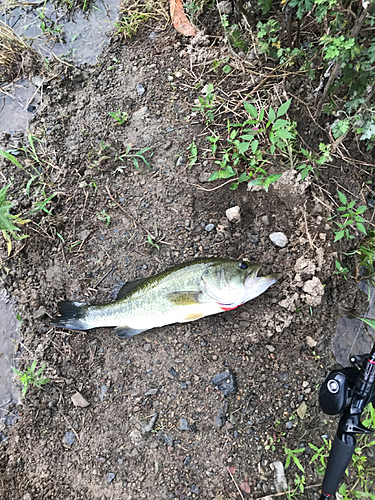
<point x="243" y="155"/>
<point x="350" y="218"/>
<point x="233" y="33"/>
<point x="268" y="37"/>
<point x="31" y="377"/>
<point x="9" y="222"/>
<point x="135" y="157"/>
<point x="193" y="154"/>
<point x="366" y="254"/>
<point x="42" y="205"/>
<point x="207" y="104"/>
<point x="151" y="242"/>
<point x="312" y="161"/>
<point x="292" y="455"/>
<point x="121" y="117"/>
<point x="129" y="25"/>
<point x="340" y="269"/>
<point x="103" y="216"/>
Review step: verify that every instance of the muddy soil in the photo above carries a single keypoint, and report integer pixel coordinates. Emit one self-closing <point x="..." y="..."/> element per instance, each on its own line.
<point x="95" y="237"/>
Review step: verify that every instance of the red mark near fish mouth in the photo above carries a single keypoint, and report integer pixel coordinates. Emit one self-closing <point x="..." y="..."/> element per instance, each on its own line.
<point x="225" y="308"/>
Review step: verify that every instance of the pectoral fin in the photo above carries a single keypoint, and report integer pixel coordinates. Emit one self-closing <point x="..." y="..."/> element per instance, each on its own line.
<point x="123" y="331"/>
<point x="184" y="298"/>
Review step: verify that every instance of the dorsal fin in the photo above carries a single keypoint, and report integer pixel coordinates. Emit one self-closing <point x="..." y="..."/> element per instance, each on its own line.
<point x="128" y="287"/>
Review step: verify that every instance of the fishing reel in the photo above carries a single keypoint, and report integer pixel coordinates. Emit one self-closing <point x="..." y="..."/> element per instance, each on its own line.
<point x="336" y="392"/>
<point x="346" y="392"/>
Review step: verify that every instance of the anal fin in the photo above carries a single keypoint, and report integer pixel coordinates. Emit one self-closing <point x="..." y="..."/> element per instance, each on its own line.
<point x="124" y="331"/>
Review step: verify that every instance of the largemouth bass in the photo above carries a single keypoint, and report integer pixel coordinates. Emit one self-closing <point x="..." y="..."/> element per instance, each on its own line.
<point x="183" y="293"/>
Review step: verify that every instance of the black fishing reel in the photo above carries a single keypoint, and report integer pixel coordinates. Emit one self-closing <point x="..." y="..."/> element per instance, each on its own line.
<point x="346" y="392"/>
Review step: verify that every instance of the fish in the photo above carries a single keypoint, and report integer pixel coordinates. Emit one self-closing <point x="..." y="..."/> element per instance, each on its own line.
<point x="186" y="292"/>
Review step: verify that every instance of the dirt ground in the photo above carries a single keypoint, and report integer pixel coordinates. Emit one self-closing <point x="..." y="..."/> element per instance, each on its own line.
<point x="278" y="345"/>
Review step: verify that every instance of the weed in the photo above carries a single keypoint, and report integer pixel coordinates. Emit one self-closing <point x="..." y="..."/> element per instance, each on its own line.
<point x="31" y="377"/>
<point x="366" y="253"/>
<point x="243" y="154"/>
<point x="233" y="33"/>
<point x="12" y="47"/>
<point x="350" y="218"/>
<point x="121" y="117"/>
<point x="135" y="157"/>
<point x="292" y="455"/>
<point x="193" y="154"/>
<point x="9" y="222"/>
<point x="151" y="242"/>
<point x="340" y="269"/>
<point x="42" y="205"/>
<point x="103" y="216"/>
<point x="129" y="25"/>
<point x="207" y="104"/>
<point x="312" y="162"/>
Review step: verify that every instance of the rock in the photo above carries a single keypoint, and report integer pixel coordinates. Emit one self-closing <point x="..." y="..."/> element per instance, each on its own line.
<point x="173" y="372"/>
<point x="279" y="479"/>
<point x="170" y="78"/>
<point x="195" y="490"/>
<point x="140" y="114"/>
<point x="304" y="266"/>
<point x="219" y="422"/>
<point x="289" y="425"/>
<point x="254" y="239"/>
<point x="167" y="439"/>
<point x="184" y="425"/>
<point x="210" y="227"/>
<point x="245" y="487"/>
<point x="270" y="347"/>
<point x="186" y="461"/>
<point x="289" y="302"/>
<point x="110" y="477"/>
<point x="140" y="89"/>
<point x="85" y="233"/>
<point x="180" y="161"/>
<point x="279" y="239"/>
<point x="204" y="176"/>
<point x="69" y="438"/>
<point x="103" y="390"/>
<point x="314" y="290"/>
<point x="301" y="410"/>
<point x="40" y="313"/>
<point x="225" y="382"/>
<point x="151" y="392"/>
<point x="225" y="7"/>
<point x="136" y="437"/>
<point x="311" y="342"/>
<point x="79" y="400"/>
<point x="233" y="214"/>
<point x="283" y="377"/>
<point x="150" y="425"/>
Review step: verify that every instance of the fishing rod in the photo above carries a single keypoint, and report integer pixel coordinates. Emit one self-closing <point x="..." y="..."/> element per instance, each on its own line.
<point x="346" y="392"/>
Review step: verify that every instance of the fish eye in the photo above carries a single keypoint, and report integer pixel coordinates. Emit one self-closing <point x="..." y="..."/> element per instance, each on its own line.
<point x="243" y="265"/>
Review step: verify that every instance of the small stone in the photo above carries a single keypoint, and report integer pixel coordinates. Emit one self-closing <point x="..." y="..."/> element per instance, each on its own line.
<point x="151" y="392"/>
<point x="210" y="227"/>
<point x="218" y="422"/>
<point x="233" y="214"/>
<point x="140" y="114"/>
<point x="254" y="239"/>
<point x="167" y="440"/>
<point x="289" y="425"/>
<point x="223" y="409"/>
<point x="270" y="348"/>
<point x="140" y="89"/>
<point x="136" y="437"/>
<point x="204" y="176"/>
<point x="264" y="219"/>
<point x="110" y="477"/>
<point x="195" y="490"/>
<point x="170" y="78"/>
<point x="279" y="480"/>
<point x="279" y="239"/>
<point x="103" y="390"/>
<point x="301" y="410"/>
<point x="187" y="461"/>
<point x="314" y="290"/>
<point x="180" y="161"/>
<point x="304" y="266"/>
<point x="150" y="425"/>
<point x="40" y="313"/>
<point x="245" y="487"/>
<point x="79" y="400"/>
<point x="311" y="342"/>
<point x="283" y="376"/>
<point x="225" y="7"/>
<point x="69" y="438"/>
<point x="152" y="35"/>
<point x="184" y="425"/>
<point x="173" y="372"/>
<point x="225" y="382"/>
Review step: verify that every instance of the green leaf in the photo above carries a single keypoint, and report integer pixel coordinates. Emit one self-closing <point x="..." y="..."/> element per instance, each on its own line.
<point x="361" y="209"/>
<point x="214" y="176"/>
<point x="339" y="235"/>
<point x="248" y="137"/>
<point x="369" y="322"/>
<point x="351" y="204"/>
<point x="243" y="147"/>
<point x="254" y="145"/>
<point x="11" y="158"/>
<point x="227" y="69"/>
<point x="342" y="198"/>
<point x="243" y="177"/>
<point x="261" y="115"/>
<point x="251" y="109"/>
<point x="284" y="134"/>
<point x="271" y="115"/>
<point x="341" y="209"/>
<point x="283" y="108"/>
<point x="361" y="227"/>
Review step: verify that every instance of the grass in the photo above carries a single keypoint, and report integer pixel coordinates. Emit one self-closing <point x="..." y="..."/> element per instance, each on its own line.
<point x="9" y="223"/>
<point x="11" y="49"/>
<point x="31" y="377"/>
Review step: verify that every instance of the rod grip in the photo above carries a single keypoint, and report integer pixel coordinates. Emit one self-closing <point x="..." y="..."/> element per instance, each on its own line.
<point x="339" y="459"/>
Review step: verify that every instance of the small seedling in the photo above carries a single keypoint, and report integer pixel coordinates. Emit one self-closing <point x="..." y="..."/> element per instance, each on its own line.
<point x="292" y="455"/>
<point x="207" y="104"/>
<point x="121" y="117"/>
<point x="151" y="242"/>
<point x="103" y="216"/>
<point x="128" y="26"/>
<point x="31" y="377"/>
<point x="42" y="205"/>
<point x="9" y="222"/>
<point x="366" y="253"/>
<point x="340" y="269"/>
<point x="350" y="218"/>
<point x="135" y="157"/>
<point x="193" y="154"/>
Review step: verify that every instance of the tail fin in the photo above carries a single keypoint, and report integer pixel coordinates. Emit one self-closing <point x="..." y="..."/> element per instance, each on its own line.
<point x="71" y="315"/>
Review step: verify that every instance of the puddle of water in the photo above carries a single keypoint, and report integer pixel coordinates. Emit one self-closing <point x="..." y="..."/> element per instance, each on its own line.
<point x="17" y="106"/>
<point x="81" y="38"/>
<point x="351" y="336"/>
<point x="9" y="336"/>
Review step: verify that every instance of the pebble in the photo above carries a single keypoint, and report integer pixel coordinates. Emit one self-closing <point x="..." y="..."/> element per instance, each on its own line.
<point x="110" y="477"/>
<point x="167" y="440"/>
<point x="254" y="239"/>
<point x="170" y="78"/>
<point x="218" y="422"/>
<point x="151" y="392"/>
<point x="184" y="425"/>
<point x="140" y="114"/>
<point x="289" y="425"/>
<point x="280" y="481"/>
<point x="301" y="410"/>
<point x="209" y="227"/>
<point x="40" y="313"/>
<point x="180" y="161"/>
<point x="152" y="35"/>
<point x="69" y="438"/>
<point x="283" y="376"/>
<point x="195" y="490"/>
<point x="225" y="382"/>
<point x="79" y="400"/>
<point x="150" y="425"/>
<point x="270" y="348"/>
<point x="233" y="214"/>
<point x="187" y="460"/>
<point x="225" y="7"/>
<point x="173" y="372"/>
<point x="279" y="239"/>
<point x="103" y="390"/>
<point x="245" y="487"/>
<point x="140" y="89"/>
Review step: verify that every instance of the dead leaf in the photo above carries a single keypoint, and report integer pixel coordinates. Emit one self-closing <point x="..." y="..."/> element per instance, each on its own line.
<point x="232" y="470"/>
<point x="179" y="19"/>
